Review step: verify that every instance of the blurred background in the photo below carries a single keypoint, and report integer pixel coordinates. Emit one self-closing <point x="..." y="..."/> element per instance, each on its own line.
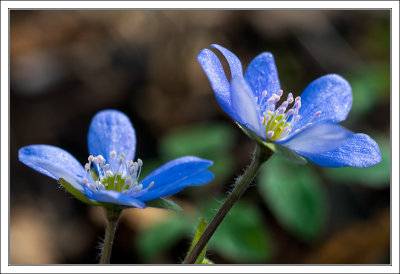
<point x="67" y="65"/>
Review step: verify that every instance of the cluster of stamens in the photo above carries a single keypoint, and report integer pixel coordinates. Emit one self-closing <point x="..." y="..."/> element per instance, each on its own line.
<point x="123" y="178"/>
<point x="278" y="122"/>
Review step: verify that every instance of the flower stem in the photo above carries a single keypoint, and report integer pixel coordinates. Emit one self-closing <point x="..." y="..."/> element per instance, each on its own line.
<point x="112" y="216"/>
<point x="260" y="155"/>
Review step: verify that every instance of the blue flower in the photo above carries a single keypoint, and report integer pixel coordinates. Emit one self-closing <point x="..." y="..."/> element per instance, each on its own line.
<point x="306" y="125"/>
<point x="111" y="177"/>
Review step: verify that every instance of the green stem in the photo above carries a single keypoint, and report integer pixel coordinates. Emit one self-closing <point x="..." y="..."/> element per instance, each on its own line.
<point x="260" y="155"/>
<point x="112" y="216"/>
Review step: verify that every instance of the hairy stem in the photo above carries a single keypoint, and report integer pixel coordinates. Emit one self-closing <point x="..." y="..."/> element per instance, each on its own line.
<point x="112" y="216"/>
<point x="260" y="155"/>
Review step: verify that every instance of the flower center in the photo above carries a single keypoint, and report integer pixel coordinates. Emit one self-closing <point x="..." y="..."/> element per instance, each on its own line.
<point x="123" y="178"/>
<point x="278" y="122"/>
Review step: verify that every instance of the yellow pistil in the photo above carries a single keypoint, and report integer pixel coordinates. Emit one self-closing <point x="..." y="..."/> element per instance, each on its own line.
<point x="276" y="124"/>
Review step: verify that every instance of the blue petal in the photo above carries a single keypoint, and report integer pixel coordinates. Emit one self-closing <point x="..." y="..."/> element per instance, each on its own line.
<point x="261" y="74"/>
<point x="245" y="107"/>
<point x="216" y="75"/>
<point x="234" y="63"/>
<point x="318" y="138"/>
<point x="330" y="94"/>
<point x="53" y="162"/>
<point x="114" y="197"/>
<point x="111" y="130"/>
<point x="175" y="171"/>
<point x="359" y="151"/>
<point x="199" y="178"/>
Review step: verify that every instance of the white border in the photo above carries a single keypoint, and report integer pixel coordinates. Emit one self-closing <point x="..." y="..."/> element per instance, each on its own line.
<point x="6" y="5"/>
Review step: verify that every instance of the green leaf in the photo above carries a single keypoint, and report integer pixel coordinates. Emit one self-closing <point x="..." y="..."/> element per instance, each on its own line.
<point x="209" y="140"/>
<point x="377" y="176"/>
<point x="373" y="80"/>
<point x="207" y="261"/>
<point x="294" y="195"/>
<point x="200" y="230"/>
<point x="155" y="240"/>
<point x="202" y="140"/>
<point x="77" y="194"/>
<point x="242" y="236"/>
<point x="163" y="203"/>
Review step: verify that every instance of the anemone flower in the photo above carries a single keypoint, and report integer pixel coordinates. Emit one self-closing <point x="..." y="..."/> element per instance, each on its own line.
<point x="305" y="126"/>
<point x="110" y="178"/>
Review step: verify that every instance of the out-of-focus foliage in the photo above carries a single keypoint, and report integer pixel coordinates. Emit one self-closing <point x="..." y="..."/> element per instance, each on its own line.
<point x="154" y="241"/>
<point x="295" y="195"/>
<point x="370" y="86"/>
<point x="242" y="236"/>
<point x="211" y="140"/>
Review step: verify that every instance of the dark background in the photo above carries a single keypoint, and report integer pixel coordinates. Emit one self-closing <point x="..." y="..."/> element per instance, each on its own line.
<point x="67" y="65"/>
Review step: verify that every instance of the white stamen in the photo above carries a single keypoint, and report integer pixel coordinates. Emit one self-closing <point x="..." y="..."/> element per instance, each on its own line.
<point x="264" y="94"/>
<point x="285" y="130"/>
<point x="126" y="174"/>
<point x="97" y="160"/>
<point x="138" y="188"/>
<point x="271" y="108"/>
<point x="289" y="112"/>
<point x="290" y="98"/>
<point x="273" y="99"/>
<point x="109" y="173"/>
<point x="280" y="121"/>
<point x="285" y="104"/>
<point x="102" y="160"/>
<point x="281" y="110"/>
